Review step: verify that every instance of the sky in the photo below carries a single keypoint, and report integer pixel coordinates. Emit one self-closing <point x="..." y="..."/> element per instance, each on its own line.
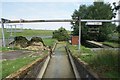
<point x="41" y="9"/>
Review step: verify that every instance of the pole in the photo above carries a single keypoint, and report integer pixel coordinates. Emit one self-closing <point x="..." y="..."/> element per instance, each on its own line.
<point x="11" y="31"/>
<point x="79" y="33"/>
<point x="15" y="31"/>
<point x="3" y="35"/>
<point x="119" y="14"/>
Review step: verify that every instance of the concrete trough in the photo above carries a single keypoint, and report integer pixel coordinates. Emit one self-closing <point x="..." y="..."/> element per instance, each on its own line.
<point x="81" y="69"/>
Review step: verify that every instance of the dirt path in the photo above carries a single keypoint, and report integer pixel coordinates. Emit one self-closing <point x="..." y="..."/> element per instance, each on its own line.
<point x="59" y="66"/>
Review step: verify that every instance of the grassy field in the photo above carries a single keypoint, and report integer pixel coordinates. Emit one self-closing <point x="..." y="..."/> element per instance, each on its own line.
<point x="49" y="41"/>
<point x="112" y="44"/>
<point x="4" y="49"/>
<point x="103" y="62"/>
<point x="10" y="66"/>
<point x="29" y="32"/>
<point x="75" y="51"/>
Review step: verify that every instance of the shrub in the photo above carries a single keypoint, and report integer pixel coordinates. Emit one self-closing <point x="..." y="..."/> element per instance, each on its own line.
<point x="61" y="34"/>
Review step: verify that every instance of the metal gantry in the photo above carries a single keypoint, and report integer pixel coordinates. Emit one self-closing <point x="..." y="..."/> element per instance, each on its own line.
<point x="57" y="20"/>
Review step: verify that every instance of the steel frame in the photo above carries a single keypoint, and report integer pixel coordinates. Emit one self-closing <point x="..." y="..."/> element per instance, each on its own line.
<point x="57" y="20"/>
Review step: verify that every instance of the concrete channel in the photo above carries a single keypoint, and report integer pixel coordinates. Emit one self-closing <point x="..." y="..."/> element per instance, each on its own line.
<point x="59" y="65"/>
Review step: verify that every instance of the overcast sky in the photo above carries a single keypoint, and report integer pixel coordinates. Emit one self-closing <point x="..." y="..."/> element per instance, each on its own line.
<point x="42" y="9"/>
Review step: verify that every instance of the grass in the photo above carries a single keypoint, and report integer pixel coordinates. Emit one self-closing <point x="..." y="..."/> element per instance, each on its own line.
<point x="113" y="44"/>
<point x="10" y="66"/>
<point x="4" y="49"/>
<point x="29" y="32"/>
<point x="103" y="62"/>
<point x="112" y="74"/>
<point x="75" y="51"/>
<point x="49" y="41"/>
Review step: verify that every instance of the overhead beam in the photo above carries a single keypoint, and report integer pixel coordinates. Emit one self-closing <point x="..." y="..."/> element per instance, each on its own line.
<point x="85" y="20"/>
<point x="31" y="21"/>
<point x="63" y="20"/>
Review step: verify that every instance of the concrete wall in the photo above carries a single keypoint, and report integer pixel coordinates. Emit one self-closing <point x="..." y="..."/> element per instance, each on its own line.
<point x="83" y="71"/>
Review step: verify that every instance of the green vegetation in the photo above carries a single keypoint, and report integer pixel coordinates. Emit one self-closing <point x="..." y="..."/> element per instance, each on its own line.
<point x="49" y="41"/>
<point x="30" y="32"/>
<point x="3" y="49"/>
<point x="103" y="62"/>
<point x="83" y="50"/>
<point x="10" y="66"/>
<point x="112" y="44"/>
<point x="98" y="10"/>
<point x="115" y="9"/>
<point x="61" y="34"/>
<point x="118" y="29"/>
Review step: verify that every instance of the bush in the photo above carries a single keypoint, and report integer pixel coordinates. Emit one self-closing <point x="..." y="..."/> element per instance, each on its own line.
<point x="61" y="34"/>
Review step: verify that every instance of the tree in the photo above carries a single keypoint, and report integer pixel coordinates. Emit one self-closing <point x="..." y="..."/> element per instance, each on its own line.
<point x="99" y="10"/>
<point x="115" y="9"/>
<point x="61" y="34"/>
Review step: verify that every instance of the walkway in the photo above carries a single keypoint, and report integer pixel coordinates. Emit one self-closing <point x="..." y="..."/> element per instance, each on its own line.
<point x="59" y="66"/>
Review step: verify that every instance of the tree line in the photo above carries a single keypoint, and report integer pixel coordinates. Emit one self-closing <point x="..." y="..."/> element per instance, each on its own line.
<point x="96" y="11"/>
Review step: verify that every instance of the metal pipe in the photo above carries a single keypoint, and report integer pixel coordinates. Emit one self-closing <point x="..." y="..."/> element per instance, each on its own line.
<point x="119" y="14"/>
<point x="79" y="34"/>
<point x="3" y="35"/>
<point x="63" y="20"/>
<point x="11" y="31"/>
<point x="87" y="20"/>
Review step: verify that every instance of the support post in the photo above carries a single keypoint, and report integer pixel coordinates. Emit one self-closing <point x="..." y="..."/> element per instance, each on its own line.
<point x="119" y="14"/>
<point x="11" y="34"/>
<point x="3" y="35"/>
<point x="79" y="33"/>
<point x="15" y="31"/>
